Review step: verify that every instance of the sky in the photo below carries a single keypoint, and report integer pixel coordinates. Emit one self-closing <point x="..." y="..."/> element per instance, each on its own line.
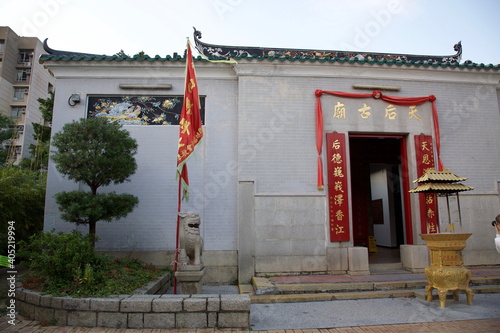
<point x="160" y="27"/>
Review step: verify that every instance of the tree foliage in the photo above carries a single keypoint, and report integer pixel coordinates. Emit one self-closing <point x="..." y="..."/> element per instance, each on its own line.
<point x="47" y="106"/>
<point x="22" y="188"/>
<point x="84" y="207"/>
<point x="40" y="150"/>
<point x="6" y="125"/>
<point x="6" y="130"/>
<point x="122" y="54"/>
<point x="22" y="200"/>
<point x="96" y="153"/>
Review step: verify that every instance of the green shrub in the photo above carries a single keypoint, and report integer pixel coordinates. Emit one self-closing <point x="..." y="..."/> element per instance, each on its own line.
<point x="66" y="264"/>
<point x="62" y="258"/>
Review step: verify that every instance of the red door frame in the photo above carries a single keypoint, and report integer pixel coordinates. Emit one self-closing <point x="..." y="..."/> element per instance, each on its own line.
<point x="405" y="179"/>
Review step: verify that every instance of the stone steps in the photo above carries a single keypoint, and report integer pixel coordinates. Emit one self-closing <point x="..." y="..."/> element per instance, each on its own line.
<point x="385" y="267"/>
<point x="262" y="290"/>
<point x="319" y="297"/>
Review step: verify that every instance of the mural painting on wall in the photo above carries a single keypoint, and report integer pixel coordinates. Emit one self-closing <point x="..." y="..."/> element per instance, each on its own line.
<point x="139" y="110"/>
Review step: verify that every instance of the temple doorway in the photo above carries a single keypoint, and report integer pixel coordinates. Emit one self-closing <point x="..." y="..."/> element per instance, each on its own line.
<point x="377" y="166"/>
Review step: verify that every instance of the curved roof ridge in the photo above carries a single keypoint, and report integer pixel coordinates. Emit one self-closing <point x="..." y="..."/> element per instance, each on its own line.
<point x="226" y="52"/>
<point x="218" y="52"/>
<point x="51" y="51"/>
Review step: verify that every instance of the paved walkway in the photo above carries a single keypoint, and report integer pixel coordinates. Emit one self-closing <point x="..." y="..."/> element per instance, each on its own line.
<point x="462" y="326"/>
<point x="395" y="311"/>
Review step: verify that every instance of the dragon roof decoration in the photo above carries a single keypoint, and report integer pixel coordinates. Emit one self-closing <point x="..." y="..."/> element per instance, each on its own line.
<point x="221" y="52"/>
<point x="225" y="52"/>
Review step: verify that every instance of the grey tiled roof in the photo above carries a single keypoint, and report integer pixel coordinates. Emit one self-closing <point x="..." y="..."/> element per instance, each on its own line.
<point x="220" y="52"/>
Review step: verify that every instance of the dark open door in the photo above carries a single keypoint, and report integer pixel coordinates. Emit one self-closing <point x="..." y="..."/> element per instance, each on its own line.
<point x="367" y="151"/>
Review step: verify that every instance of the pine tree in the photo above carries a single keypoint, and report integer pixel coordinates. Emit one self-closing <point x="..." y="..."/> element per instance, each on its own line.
<point x="97" y="153"/>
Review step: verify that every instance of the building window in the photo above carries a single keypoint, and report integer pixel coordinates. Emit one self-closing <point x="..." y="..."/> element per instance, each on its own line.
<point x="17" y="112"/>
<point x="2" y="45"/>
<point x="22" y="74"/>
<point x="24" y="57"/>
<point x="19" y="93"/>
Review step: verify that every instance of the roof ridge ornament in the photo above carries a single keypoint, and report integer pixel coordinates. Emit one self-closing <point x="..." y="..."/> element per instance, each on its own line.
<point x="65" y="53"/>
<point x="226" y="52"/>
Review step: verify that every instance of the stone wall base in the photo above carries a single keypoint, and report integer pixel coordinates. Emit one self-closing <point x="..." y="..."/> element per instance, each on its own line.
<point x="137" y="311"/>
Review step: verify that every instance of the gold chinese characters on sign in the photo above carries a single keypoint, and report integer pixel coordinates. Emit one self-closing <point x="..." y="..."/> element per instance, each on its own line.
<point x="338" y="199"/>
<point x="391" y="112"/>
<point x="427" y="201"/>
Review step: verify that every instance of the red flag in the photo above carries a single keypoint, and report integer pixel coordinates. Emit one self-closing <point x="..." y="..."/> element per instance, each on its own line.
<point x="190" y="131"/>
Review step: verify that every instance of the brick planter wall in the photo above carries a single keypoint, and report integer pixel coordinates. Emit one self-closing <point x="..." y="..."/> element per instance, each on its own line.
<point x="137" y="311"/>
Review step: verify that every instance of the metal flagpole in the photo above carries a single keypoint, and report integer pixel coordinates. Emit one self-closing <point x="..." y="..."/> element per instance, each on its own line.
<point x="176" y="255"/>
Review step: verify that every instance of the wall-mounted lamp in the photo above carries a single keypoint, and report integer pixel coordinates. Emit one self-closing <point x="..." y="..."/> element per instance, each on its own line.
<point x="73" y="99"/>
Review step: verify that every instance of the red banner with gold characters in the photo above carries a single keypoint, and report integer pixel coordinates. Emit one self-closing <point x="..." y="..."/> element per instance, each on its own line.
<point x="338" y="196"/>
<point x="190" y="131"/>
<point x="428" y="203"/>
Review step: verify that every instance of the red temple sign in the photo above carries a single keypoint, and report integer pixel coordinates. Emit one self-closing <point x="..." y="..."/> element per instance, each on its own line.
<point x="338" y="196"/>
<point x="428" y="201"/>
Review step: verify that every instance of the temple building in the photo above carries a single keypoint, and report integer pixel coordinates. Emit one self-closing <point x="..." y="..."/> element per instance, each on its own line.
<point x="307" y="160"/>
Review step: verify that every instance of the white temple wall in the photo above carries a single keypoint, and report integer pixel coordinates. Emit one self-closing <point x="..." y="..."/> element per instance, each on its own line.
<point x="258" y="156"/>
<point x="149" y="231"/>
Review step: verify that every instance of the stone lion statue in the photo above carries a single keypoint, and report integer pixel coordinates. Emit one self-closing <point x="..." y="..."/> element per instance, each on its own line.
<point x="189" y="237"/>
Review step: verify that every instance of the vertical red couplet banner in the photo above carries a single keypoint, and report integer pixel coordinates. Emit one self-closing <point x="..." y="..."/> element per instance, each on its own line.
<point x="338" y="195"/>
<point x="428" y="203"/>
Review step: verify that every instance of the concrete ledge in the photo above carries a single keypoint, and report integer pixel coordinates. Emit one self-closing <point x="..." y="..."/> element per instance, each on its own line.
<point x="263" y="286"/>
<point x="323" y="287"/>
<point x="158" y="286"/>
<point x="138" y="310"/>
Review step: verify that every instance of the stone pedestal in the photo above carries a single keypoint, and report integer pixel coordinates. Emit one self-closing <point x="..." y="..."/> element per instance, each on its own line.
<point x="358" y="260"/>
<point x="446" y="271"/>
<point x="189" y="278"/>
<point x="337" y="260"/>
<point x="414" y="258"/>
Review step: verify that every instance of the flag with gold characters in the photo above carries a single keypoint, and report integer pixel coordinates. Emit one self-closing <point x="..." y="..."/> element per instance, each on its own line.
<point x="190" y="126"/>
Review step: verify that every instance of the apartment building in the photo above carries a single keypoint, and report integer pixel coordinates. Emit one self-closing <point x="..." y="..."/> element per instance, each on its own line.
<point x="22" y="81"/>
